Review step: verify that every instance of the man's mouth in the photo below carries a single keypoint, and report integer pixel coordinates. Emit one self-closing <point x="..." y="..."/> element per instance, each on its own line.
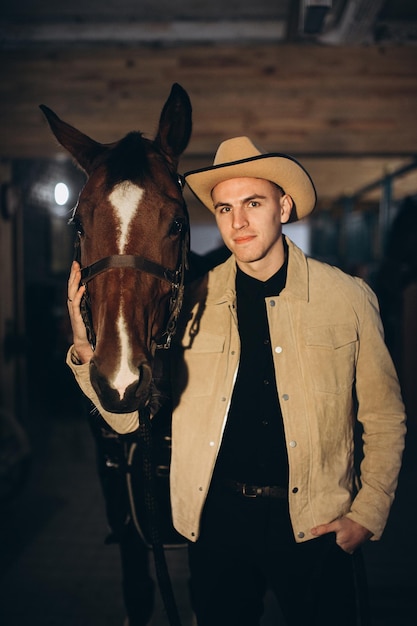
<point x="245" y="239"/>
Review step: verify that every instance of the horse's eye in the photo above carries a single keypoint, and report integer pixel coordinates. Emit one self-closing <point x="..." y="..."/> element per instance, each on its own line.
<point x="176" y="227"/>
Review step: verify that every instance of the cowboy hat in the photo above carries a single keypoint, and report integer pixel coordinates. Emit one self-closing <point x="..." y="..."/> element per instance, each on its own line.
<point x="240" y="158"/>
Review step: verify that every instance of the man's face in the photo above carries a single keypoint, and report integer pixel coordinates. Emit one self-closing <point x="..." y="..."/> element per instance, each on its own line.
<point x="249" y="214"/>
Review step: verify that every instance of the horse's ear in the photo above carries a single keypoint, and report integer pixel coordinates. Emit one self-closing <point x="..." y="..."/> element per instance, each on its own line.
<point x="84" y="150"/>
<point x="175" y="124"/>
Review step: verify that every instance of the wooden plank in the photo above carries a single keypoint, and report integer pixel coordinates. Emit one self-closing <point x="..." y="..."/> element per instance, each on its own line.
<point x="307" y="100"/>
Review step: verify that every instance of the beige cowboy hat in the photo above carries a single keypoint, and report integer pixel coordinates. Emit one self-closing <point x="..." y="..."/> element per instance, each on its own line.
<point x="240" y="158"/>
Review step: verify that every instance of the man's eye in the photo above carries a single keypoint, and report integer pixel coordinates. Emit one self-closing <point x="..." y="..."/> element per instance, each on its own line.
<point x="225" y="209"/>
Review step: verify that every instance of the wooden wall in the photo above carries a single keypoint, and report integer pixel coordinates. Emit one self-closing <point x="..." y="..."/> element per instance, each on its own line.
<point x="348" y="113"/>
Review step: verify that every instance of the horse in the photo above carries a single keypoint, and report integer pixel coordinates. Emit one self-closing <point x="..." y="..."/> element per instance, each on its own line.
<point x="132" y="225"/>
<point x="132" y="240"/>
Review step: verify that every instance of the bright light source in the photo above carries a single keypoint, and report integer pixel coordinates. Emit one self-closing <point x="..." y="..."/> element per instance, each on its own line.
<point x="61" y="194"/>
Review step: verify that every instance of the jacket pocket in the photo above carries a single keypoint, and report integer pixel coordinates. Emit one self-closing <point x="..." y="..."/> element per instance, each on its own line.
<point x="331" y="354"/>
<point x="202" y="361"/>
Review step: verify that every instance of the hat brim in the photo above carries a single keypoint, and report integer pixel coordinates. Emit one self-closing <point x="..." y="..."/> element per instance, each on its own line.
<point x="281" y="169"/>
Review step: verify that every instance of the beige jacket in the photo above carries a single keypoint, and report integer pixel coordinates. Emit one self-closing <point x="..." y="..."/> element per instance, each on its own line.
<point x="328" y="345"/>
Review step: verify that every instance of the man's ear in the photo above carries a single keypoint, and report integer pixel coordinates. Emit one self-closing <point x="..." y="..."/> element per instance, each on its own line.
<point x="287" y="204"/>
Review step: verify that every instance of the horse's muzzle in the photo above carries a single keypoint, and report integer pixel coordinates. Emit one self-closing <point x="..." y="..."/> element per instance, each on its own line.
<point x="134" y="397"/>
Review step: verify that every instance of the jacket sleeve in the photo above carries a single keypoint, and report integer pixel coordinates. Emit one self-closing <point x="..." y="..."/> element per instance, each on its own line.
<point x="381" y="413"/>
<point x="122" y="424"/>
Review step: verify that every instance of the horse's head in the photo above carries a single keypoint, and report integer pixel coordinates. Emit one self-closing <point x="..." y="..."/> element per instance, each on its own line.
<point x="132" y="228"/>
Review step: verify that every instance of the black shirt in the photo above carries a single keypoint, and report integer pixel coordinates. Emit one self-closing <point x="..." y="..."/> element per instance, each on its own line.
<point x="253" y="447"/>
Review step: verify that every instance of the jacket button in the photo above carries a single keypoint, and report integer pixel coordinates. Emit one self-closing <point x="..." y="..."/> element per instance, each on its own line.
<point x="272" y="303"/>
<point x="300" y="535"/>
<point x="285" y="396"/>
<point x="293" y="444"/>
<point x="278" y="349"/>
<point x="295" y="490"/>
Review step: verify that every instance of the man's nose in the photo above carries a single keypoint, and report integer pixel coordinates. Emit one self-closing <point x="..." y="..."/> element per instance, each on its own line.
<point x="239" y="219"/>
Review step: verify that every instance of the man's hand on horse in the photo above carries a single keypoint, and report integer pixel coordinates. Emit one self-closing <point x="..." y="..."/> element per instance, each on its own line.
<point x="82" y="347"/>
<point x="349" y="534"/>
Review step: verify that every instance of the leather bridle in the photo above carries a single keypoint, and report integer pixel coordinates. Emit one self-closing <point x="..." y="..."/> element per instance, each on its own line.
<point x="174" y="277"/>
<point x="117" y="261"/>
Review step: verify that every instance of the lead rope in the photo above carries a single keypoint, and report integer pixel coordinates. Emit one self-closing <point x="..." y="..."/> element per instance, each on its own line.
<point x="152" y="510"/>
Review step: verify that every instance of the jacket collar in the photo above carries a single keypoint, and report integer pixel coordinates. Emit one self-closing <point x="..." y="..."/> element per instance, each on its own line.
<point x="223" y="289"/>
<point x="297" y="275"/>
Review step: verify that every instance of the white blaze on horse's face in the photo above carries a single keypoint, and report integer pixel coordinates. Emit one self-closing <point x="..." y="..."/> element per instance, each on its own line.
<point x="125" y="198"/>
<point x="123" y="376"/>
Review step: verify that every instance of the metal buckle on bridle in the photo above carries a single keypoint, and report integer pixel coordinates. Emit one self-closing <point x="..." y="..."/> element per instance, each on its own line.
<point x="176" y="300"/>
<point x="181" y="181"/>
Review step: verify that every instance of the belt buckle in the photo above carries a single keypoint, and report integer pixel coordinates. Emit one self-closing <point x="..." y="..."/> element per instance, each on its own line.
<point x="252" y="493"/>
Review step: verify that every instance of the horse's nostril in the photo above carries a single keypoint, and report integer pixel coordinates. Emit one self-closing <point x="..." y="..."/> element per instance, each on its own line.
<point x="145" y="378"/>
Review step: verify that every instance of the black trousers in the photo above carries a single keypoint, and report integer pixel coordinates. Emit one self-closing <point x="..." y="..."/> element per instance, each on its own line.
<point x="246" y="547"/>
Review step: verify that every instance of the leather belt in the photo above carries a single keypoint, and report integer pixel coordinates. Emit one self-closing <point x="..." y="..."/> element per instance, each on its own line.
<point x="255" y="491"/>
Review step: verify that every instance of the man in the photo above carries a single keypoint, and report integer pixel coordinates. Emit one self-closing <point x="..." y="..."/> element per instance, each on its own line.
<point x="278" y="357"/>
